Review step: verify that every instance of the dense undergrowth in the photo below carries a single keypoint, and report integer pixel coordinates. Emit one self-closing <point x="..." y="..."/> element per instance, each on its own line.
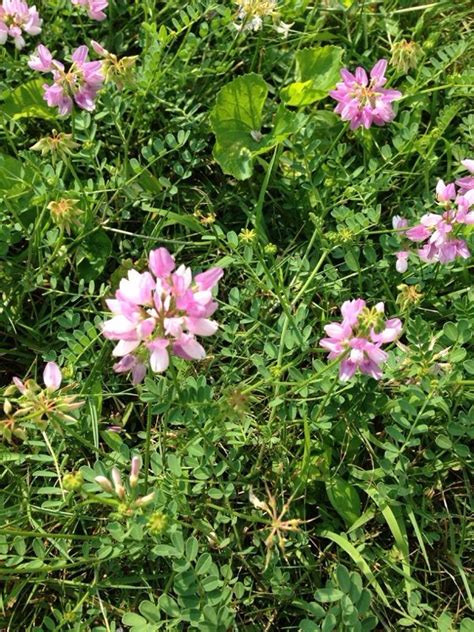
<point x="271" y="495"/>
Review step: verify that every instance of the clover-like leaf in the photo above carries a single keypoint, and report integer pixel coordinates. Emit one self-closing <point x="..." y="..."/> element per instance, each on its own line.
<point x="317" y="72"/>
<point x="236" y="121"/>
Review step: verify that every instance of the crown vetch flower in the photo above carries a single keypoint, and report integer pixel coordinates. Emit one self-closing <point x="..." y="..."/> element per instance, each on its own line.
<point x="362" y="100"/>
<point x="80" y="83"/>
<point x="160" y="312"/>
<point x="358" y="339"/>
<point x="440" y="234"/>
<point x="95" y="8"/>
<point x="16" y="18"/>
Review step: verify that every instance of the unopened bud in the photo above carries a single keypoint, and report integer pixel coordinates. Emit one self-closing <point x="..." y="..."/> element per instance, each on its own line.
<point x="104" y="483"/>
<point x="19" y="384"/>
<point x="145" y="500"/>
<point x="7" y="407"/>
<point x="117" y="480"/>
<point x="135" y="470"/>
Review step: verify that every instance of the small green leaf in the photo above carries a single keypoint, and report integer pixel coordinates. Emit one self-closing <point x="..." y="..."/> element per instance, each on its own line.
<point x="132" y="619"/>
<point x="344" y="498"/>
<point x="27" y="101"/>
<point x="150" y="611"/>
<point x="169" y="605"/>
<point x="317" y="72"/>
<point x="192" y="548"/>
<point x="443" y="442"/>
<point x="343" y="578"/>
<point x="328" y="595"/>
<point x="93" y="254"/>
<point x="451" y="331"/>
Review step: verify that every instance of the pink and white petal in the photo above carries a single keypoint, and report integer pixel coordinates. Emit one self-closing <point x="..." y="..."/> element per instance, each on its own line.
<point x="346" y="370"/>
<point x="125" y="347"/>
<point x="159" y="360"/>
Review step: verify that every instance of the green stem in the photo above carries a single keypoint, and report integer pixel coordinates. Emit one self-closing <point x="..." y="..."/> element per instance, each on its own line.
<point x="147" y="444"/>
<point x="259" y="220"/>
<point x="56" y="464"/>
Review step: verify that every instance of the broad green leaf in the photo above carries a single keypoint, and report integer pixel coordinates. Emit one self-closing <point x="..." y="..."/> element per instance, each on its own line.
<point x="317" y="72"/>
<point x="344" y="498"/>
<point x="236" y="121"/>
<point x="15" y="177"/>
<point x="27" y="101"/>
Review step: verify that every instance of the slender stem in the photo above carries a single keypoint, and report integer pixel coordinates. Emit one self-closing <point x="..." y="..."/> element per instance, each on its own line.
<point x="259" y="220"/>
<point x="56" y="464"/>
<point x="147" y="443"/>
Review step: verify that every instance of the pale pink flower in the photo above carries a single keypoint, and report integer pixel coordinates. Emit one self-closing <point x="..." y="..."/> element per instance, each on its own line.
<point x="402" y="261"/>
<point x="357" y="340"/>
<point x="52" y="376"/>
<point x="80" y="83"/>
<point x="445" y="192"/>
<point x="95" y="8"/>
<point x="160" y="312"/>
<point x="440" y="232"/>
<point x="466" y="183"/>
<point x="399" y="223"/>
<point x="42" y="61"/>
<point x="16" y="18"/>
<point x="362" y="100"/>
<point x="469" y="164"/>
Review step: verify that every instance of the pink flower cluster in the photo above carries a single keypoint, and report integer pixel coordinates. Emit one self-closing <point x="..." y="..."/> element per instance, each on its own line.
<point x="359" y="338"/>
<point x="439" y="233"/>
<point x="158" y="312"/>
<point x="80" y="83"/>
<point x="95" y="8"/>
<point x="16" y="18"/>
<point x="363" y="101"/>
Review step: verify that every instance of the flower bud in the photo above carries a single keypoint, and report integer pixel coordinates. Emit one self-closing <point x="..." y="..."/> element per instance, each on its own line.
<point x="19" y="384"/>
<point x="52" y="376"/>
<point x="104" y="483"/>
<point x="117" y="480"/>
<point x="145" y="500"/>
<point x="135" y="470"/>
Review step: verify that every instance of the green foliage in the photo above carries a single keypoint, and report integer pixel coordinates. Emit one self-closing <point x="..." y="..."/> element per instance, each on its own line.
<point x="343" y="604"/>
<point x="317" y="72"/>
<point x="27" y="101"/>
<point x="236" y="120"/>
